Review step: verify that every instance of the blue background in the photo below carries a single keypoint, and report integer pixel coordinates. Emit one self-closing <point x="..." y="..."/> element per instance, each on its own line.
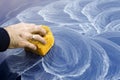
<point x="87" y="39"/>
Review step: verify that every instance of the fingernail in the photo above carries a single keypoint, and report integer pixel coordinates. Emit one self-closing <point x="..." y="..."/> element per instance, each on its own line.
<point x="35" y="48"/>
<point x="44" y="42"/>
<point x="44" y="31"/>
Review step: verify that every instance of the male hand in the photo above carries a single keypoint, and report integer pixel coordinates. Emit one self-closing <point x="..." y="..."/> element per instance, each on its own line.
<point x="22" y="32"/>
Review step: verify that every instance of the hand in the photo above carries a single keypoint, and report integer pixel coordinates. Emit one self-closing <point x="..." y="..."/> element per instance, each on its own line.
<point x="22" y="32"/>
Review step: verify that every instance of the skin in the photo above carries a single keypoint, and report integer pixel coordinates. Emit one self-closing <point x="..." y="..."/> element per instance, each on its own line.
<point x="20" y="34"/>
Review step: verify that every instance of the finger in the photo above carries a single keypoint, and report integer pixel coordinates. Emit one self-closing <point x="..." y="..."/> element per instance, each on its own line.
<point x="27" y="44"/>
<point x="38" y="30"/>
<point x="26" y="36"/>
<point x="39" y="38"/>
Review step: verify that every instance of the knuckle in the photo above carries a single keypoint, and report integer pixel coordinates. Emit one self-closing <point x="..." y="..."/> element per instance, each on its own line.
<point x="21" y="44"/>
<point x="28" y="45"/>
<point x="42" y="40"/>
<point x="42" y="30"/>
<point x="38" y="37"/>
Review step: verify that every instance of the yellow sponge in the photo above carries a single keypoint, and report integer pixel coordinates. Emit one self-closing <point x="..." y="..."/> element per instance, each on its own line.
<point x="42" y="49"/>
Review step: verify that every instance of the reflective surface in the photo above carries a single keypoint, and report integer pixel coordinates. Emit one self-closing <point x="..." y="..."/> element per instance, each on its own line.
<point x="87" y="39"/>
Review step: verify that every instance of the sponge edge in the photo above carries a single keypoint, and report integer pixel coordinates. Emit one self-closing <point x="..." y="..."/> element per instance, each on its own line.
<point x="42" y="49"/>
